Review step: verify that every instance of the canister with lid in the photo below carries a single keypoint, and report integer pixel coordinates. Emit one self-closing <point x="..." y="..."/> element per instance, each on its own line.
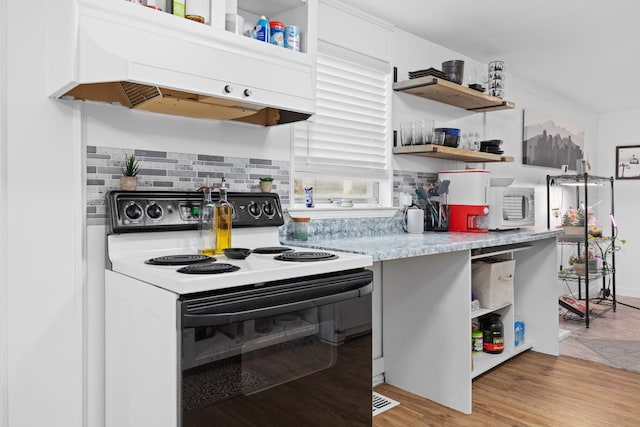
<point x="292" y="37"/>
<point x="301" y="228"/>
<point x="277" y="33"/>
<point x="492" y="334"/>
<point x="476" y="341"/>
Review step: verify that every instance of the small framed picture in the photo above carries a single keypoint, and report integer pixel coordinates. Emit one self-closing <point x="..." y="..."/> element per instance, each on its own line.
<point x="628" y="162"/>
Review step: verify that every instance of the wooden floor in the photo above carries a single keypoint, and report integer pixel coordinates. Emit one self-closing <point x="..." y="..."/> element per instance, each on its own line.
<point x="533" y="389"/>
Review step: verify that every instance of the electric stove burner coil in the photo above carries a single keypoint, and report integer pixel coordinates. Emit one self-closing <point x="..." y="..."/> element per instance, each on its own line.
<point x="179" y="259"/>
<point x="305" y="256"/>
<point x="208" y="268"/>
<point x="271" y="250"/>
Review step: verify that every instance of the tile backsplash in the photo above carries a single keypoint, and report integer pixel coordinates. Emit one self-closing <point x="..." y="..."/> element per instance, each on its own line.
<point x="164" y="170"/>
<point x="408" y="181"/>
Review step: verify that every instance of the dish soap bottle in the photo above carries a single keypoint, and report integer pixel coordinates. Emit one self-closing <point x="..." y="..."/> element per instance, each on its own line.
<point x="206" y="223"/>
<point x="223" y="219"/>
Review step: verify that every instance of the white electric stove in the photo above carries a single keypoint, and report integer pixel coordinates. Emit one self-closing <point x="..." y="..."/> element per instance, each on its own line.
<point x="150" y="225"/>
<point x="219" y="341"/>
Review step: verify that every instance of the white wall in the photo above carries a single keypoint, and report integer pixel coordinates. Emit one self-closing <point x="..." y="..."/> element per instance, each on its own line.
<point x="118" y="127"/>
<point x="4" y="247"/>
<point x="412" y="53"/>
<point x="617" y="129"/>
<point x="43" y="217"/>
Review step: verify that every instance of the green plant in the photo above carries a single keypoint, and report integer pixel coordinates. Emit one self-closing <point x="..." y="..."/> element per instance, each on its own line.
<point x="266" y="179"/>
<point x="131" y="165"/>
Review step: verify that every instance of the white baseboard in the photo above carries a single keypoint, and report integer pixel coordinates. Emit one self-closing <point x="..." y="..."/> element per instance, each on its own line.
<point x="563" y="333"/>
<point x="627" y="292"/>
<point x="378" y="371"/>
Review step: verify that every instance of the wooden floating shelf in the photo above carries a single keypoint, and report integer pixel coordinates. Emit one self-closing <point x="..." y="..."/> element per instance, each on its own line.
<point x="453" y="94"/>
<point x="444" y="152"/>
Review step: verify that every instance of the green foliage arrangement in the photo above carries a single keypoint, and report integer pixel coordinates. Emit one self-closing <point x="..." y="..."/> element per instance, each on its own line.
<point x="131" y="165"/>
<point x="573" y="217"/>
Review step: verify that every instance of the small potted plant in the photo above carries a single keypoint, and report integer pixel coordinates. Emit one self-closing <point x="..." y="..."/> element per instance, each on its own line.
<point x="579" y="264"/>
<point x="266" y="184"/>
<point x="129" y="178"/>
<point x="583" y="260"/>
<point x="573" y="221"/>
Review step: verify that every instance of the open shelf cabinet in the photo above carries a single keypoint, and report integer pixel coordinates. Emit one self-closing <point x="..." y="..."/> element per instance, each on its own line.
<point x="453" y="94"/>
<point x="428" y="314"/>
<point x="450" y="153"/>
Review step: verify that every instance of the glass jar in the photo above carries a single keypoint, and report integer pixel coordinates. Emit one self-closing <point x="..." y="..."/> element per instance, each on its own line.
<point x="301" y="228"/>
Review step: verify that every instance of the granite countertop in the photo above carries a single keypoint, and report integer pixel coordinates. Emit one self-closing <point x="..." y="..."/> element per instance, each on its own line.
<point x="404" y="245"/>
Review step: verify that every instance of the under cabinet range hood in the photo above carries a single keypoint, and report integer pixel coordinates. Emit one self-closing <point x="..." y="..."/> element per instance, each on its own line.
<point x="121" y="53"/>
<point x="167" y="101"/>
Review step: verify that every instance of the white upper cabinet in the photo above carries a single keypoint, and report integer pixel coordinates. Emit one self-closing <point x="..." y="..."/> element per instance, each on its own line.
<point x="119" y="52"/>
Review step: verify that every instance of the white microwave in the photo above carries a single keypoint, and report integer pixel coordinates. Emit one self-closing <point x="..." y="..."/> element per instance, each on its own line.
<point x="511" y="207"/>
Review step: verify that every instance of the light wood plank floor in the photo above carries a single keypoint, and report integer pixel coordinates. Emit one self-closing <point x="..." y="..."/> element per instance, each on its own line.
<point x="532" y="389"/>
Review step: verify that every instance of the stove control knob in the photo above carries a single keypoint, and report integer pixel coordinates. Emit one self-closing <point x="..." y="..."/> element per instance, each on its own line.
<point x="254" y="209"/>
<point x="154" y="211"/>
<point x="133" y="211"/>
<point x="268" y="209"/>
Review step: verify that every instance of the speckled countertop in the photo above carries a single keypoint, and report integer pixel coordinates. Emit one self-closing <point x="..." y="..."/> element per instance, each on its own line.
<point x="403" y="245"/>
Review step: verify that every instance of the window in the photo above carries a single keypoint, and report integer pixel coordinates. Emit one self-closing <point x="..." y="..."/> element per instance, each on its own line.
<point x="342" y="150"/>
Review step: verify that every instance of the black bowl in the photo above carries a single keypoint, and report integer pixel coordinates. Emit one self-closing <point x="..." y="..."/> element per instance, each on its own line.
<point x="236" y="253"/>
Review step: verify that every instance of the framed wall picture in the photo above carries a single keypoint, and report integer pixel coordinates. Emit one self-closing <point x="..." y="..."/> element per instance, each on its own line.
<point x="550" y="141"/>
<point x="628" y="162"/>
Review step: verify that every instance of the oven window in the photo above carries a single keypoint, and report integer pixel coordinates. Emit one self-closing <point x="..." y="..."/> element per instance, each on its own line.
<point x="295" y="368"/>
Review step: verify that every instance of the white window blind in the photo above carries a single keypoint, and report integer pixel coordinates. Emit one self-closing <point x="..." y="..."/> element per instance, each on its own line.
<point x="347" y="137"/>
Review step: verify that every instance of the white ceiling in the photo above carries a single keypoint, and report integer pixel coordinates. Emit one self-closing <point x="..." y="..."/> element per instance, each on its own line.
<point x="587" y="51"/>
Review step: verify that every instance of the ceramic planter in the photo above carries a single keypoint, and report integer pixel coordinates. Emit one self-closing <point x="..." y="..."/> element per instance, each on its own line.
<point x="580" y="269"/>
<point x="128" y="183"/>
<point x="266" y="186"/>
<point x="573" y="230"/>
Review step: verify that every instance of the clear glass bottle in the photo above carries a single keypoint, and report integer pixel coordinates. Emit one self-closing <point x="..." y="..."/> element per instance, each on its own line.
<point x="223" y="220"/>
<point x="206" y="224"/>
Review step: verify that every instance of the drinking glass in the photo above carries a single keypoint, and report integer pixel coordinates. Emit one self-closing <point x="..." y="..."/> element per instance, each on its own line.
<point x="406" y="133"/>
<point x="438" y="138"/>
<point x="419" y="131"/>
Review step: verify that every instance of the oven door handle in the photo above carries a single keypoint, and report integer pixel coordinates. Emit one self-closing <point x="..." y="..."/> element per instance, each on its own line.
<point x="218" y="319"/>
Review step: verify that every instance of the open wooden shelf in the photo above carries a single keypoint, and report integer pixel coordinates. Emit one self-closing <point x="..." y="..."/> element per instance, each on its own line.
<point x="444" y="152"/>
<point x="453" y="94"/>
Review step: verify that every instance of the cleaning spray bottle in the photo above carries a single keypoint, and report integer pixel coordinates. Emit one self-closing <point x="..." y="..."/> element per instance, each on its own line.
<point x="223" y="219"/>
<point x="262" y="30"/>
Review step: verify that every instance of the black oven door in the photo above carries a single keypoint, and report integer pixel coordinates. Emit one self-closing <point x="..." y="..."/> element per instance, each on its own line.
<point x="287" y="353"/>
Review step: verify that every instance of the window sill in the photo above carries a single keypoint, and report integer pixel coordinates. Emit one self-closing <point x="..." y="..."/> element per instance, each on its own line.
<point x="340" y="212"/>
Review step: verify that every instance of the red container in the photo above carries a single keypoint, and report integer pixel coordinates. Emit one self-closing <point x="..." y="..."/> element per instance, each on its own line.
<point x="470" y="218"/>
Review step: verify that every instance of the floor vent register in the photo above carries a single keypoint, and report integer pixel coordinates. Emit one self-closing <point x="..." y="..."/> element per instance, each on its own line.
<point x="382" y="403"/>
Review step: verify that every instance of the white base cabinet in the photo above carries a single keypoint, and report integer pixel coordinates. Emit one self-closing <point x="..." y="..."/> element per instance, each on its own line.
<point x="427" y="318"/>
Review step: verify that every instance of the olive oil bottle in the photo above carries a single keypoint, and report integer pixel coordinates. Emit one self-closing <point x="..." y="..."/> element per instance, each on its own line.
<point x="223" y="218"/>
